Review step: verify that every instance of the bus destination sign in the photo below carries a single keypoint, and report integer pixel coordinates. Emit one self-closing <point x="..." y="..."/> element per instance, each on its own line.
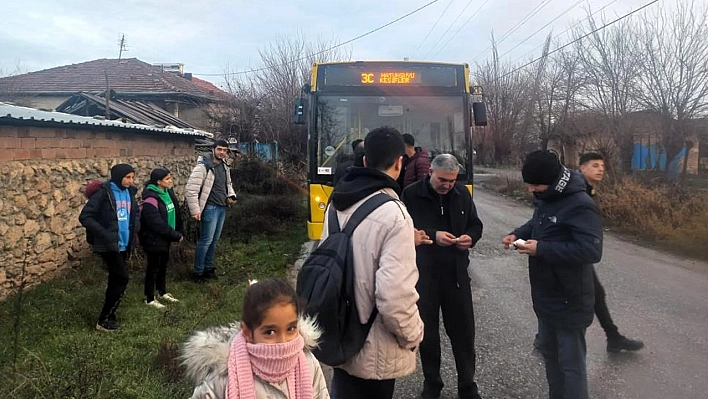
<point x="332" y="76"/>
<point x="390" y="78"/>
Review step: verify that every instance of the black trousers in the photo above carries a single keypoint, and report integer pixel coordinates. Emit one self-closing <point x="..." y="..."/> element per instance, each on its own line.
<point x="117" y="282"/>
<point x="156" y="274"/>
<point x="441" y="289"/>
<point x="345" y="386"/>
<point x="601" y="310"/>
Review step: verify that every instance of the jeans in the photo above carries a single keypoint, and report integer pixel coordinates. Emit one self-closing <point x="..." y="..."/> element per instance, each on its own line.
<point x="212" y="221"/>
<point x="563" y="350"/>
<point x="346" y="386"/>
<point x="117" y="282"/>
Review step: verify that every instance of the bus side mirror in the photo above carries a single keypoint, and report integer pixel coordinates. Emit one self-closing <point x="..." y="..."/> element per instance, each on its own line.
<point x="479" y="110"/>
<point x="299" y="117"/>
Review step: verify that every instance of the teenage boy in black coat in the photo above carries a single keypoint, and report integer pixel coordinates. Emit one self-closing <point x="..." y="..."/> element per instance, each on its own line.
<point x="444" y="210"/>
<point x="563" y="240"/>
<point x="592" y="166"/>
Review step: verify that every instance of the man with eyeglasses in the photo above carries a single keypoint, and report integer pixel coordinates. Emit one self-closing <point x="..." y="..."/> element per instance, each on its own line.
<point x="444" y="210"/>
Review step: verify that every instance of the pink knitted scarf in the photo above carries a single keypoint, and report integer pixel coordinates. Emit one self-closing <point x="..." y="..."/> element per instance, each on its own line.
<point x="270" y="362"/>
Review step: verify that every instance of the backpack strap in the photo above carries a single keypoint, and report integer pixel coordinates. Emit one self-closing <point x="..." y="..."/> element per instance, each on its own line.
<point x="332" y="220"/>
<point x="364" y="210"/>
<point x="150" y="200"/>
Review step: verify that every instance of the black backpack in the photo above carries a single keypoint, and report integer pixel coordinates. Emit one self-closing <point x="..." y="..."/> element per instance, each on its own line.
<point x="326" y="282"/>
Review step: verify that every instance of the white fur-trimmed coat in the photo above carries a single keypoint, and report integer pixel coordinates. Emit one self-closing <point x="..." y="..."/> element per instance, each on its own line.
<point x="205" y="356"/>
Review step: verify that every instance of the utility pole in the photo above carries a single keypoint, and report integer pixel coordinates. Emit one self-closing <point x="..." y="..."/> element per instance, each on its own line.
<point x="123" y="47"/>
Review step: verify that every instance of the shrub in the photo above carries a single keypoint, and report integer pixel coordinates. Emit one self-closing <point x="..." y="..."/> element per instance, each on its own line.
<point x="256" y="215"/>
<point x="658" y="211"/>
<point x="258" y="178"/>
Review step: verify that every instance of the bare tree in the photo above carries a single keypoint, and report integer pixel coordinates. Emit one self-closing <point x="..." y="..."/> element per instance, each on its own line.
<point x="267" y="95"/>
<point x="610" y="67"/>
<point x="507" y="96"/>
<point x="674" y="76"/>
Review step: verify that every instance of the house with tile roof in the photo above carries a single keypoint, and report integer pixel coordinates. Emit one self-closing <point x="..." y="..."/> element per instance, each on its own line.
<point x="181" y="95"/>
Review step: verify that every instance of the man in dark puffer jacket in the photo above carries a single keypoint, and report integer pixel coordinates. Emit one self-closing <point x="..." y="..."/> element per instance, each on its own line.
<point x="160" y="225"/>
<point x="563" y="240"/>
<point x="111" y="218"/>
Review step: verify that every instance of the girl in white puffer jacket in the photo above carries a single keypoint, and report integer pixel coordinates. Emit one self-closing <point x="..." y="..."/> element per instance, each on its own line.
<point x="266" y="356"/>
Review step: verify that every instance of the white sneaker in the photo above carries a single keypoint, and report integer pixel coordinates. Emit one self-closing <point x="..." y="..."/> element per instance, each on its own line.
<point x="155" y="304"/>
<point x="168" y="297"/>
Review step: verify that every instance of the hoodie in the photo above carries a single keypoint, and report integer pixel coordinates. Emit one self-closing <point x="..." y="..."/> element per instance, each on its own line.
<point x="567" y="225"/>
<point x="358" y="184"/>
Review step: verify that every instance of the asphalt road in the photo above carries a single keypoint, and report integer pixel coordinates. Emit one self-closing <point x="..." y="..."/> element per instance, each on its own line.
<point x="659" y="298"/>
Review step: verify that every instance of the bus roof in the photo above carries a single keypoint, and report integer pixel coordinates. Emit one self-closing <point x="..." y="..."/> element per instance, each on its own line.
<point x="462" y="64"/>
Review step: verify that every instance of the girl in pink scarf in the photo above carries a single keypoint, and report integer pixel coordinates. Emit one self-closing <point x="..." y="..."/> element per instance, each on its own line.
<point x="268" y="357"/>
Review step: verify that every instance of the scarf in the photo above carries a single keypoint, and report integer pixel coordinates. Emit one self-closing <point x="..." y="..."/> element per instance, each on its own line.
<point x="271" y="363"/>
<point x="165" y="197"/>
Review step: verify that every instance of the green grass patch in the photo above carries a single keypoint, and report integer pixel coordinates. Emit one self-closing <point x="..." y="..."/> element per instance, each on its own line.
<point x="59" y="354"/>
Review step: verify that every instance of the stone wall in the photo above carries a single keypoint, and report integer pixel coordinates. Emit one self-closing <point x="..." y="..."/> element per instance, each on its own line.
<point x="41" y="191"/>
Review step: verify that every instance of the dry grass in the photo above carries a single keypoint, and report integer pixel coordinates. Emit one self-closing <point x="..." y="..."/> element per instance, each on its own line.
<point x="660" y="213"/>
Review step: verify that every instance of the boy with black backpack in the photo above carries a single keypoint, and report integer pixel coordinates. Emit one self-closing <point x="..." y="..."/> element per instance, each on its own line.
<point x="381" y="287"/>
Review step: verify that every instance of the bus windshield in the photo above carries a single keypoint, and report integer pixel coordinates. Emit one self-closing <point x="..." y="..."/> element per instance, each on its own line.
<point x="437" y="123"/>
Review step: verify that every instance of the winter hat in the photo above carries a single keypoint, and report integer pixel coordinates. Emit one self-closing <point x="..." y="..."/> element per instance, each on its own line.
<point x="541" y="167"/>
<point x="158" y="174"/>
<point x="119" y="171"/>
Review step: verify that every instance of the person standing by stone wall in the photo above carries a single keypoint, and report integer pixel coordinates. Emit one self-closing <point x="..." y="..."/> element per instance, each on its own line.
<point x="208" y="192"/>
<point x="111" y="219"/>
<point x="160" y="226"/>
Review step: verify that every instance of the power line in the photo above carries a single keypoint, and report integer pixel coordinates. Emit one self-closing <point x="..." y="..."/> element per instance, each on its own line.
<point x="580" y="38"/>
<point x="434" y="25"/>
<point x="572" y="27"/>
<point x="519" y="24"/>
<point x="543" y="27"/>
<point x="448" y="28"/>
<point x="460" y="28"/>
<point x="323" y="51"/>
<point x="525" y="20"/>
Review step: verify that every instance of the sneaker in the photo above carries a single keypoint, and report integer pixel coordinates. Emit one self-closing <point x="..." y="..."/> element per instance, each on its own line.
<point x="168" y="297"/>
<point x="198" y="278"/>
<point x="107" y="325"/>
<point x="619" y="343"/>
<point x="211" y="274"/>
<point x="155" y="304"/>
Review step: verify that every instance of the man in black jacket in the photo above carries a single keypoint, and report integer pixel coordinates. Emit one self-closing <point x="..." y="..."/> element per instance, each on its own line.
<point x="444" y="210"/>
<point x="563" y="240"/>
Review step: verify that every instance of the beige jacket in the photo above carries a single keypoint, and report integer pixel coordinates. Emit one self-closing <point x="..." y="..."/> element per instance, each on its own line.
<point x="205" y="357"/>
<point x="385" y="275"/>
<point x="202" y="180"/>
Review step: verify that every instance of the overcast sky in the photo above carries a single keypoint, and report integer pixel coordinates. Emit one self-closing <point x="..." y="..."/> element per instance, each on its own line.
<point x="211" y="36"/>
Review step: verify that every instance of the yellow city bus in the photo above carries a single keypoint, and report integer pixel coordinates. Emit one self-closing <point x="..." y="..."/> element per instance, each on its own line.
<point x="432" y="101"/>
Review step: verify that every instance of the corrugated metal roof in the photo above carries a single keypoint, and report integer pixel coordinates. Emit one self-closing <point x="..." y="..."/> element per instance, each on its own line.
<point x="15" y="112"/>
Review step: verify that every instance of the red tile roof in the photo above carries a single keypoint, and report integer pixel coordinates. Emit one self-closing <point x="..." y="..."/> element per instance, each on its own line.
<point x="126" y="76"/>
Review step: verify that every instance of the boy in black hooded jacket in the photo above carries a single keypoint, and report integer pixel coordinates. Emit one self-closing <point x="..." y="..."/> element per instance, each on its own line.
<point x="563" y="241"/>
